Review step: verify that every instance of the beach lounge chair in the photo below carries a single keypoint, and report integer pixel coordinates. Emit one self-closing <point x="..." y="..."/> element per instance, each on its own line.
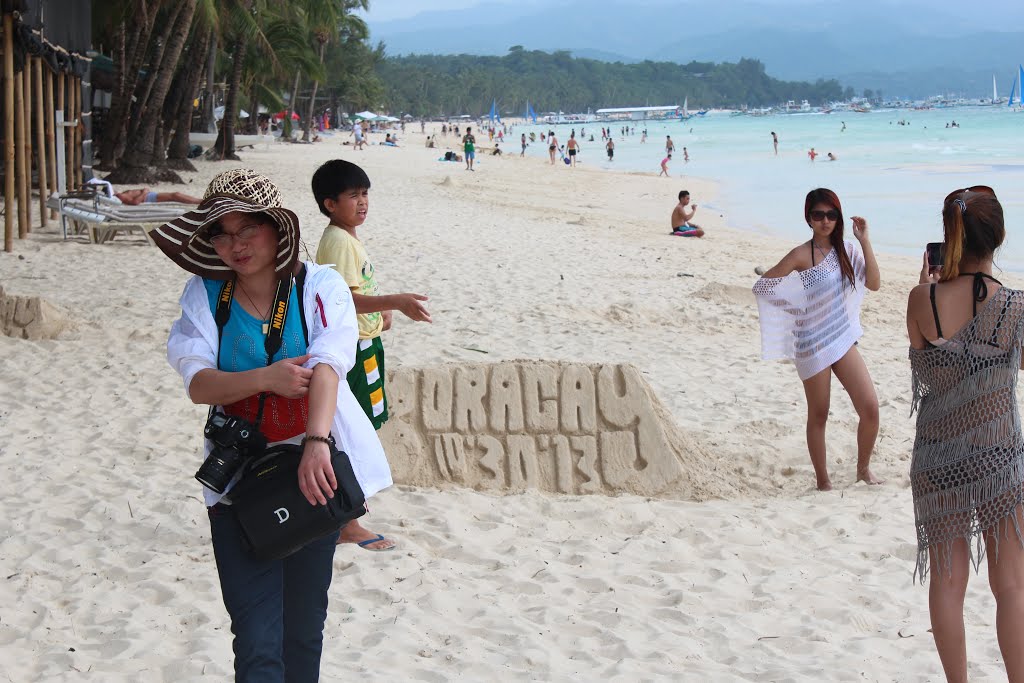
<point x="102" y="219"/>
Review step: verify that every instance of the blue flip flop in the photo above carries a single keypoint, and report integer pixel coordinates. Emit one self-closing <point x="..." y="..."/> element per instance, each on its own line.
<point x="365" y="545"/>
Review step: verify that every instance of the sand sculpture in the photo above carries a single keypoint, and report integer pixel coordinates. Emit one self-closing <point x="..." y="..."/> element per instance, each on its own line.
<point x="33" y="318"/>
<point x="560" y="427"/>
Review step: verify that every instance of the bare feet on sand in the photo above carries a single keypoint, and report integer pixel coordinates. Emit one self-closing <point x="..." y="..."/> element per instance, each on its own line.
<point x="865" y="476"/>
<point x="354" y="532"/>
<point x="825" y="485"/>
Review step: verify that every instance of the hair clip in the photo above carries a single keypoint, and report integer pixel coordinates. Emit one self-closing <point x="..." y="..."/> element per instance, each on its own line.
<point x="962" y="205"/>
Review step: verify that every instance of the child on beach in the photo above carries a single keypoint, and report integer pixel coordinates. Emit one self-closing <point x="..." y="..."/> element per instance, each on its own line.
<point x="814" y="320"/>
<point x="341" y="189"/>
<point x="664" y="166"/>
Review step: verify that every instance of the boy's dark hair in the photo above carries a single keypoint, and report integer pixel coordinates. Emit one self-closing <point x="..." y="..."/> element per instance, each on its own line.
<point x="684" y="193"/>
<point x="337" y="176"/>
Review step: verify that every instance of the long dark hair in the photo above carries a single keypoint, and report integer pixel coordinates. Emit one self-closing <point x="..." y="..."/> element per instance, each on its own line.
<point x="972" y="224"/>
<point x="826" y="196"/>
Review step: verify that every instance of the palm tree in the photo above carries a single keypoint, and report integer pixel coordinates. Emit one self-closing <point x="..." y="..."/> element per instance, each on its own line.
<point x="140" y="150"/>
<point x="127" y="25"/>
<point x="332" y="18"/>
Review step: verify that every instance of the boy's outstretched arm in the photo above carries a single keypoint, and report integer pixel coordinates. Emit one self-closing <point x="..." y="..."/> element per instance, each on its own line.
<point x="410" y="305"/>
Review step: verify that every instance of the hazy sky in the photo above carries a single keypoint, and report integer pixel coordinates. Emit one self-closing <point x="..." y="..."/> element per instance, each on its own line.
<point x="385" y="10"/>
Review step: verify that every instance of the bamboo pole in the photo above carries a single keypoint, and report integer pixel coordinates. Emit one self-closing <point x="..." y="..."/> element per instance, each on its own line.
<point x="51" y="149"/>
<point x="19" y="160"/>
<point x="9" y="156"/>
<point x="37" y="74"/>
<point x="71" y="116"/>
<point x="26" y="103"/>
<point x="79" y="133"/>
<point x="62" y="105"/>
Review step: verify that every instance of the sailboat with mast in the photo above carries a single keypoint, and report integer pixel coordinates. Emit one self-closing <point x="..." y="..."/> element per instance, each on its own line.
<point x="1019" y="82"/>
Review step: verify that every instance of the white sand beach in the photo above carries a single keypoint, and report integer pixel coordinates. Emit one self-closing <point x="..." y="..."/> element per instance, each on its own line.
<point x="746" y="575"/>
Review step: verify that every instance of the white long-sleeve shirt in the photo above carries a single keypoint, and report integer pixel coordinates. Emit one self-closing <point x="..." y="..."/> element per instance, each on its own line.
<point x="333" y="334"/>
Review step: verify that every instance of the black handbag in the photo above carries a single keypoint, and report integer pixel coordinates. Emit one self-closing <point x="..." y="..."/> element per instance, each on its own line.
<point x="275" y="518"/>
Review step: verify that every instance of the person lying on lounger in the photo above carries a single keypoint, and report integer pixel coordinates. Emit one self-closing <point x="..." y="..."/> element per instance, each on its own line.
<point x="144" y="195"/>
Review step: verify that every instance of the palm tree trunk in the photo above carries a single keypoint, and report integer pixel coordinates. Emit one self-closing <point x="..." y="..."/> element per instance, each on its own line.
<point x="224" y="148"/>
<point x="177" y="152"/>
<point x="169" y="22"/>
<point x="207" y="122"/>
<point x="287" y="122"/>
<point x="131" y="52"/>
<point x="253" y="123"/>
<point x="140" y="151"/>
<point x="312" y="100"/>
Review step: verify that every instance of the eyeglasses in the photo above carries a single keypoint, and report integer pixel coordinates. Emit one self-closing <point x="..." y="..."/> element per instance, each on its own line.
<point x="819" y="215"/>
<point x="245" y="234"/>
<point x="976" y="188"/>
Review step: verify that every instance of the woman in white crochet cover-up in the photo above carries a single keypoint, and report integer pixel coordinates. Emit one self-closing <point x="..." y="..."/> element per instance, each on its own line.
<point x="810" y="313"/>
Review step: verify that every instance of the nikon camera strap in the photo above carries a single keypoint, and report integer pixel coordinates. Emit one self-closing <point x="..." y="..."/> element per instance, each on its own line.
<point x="278" y="314"/>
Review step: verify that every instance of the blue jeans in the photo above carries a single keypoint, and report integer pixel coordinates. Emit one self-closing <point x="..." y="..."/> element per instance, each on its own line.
<point x="277" y="607"/>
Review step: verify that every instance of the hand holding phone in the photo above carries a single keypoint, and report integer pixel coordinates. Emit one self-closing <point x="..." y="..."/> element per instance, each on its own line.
<point x="936" y="253"/>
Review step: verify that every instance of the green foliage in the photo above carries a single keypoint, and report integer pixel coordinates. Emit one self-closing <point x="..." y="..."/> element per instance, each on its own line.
<point x="434" y="85"/>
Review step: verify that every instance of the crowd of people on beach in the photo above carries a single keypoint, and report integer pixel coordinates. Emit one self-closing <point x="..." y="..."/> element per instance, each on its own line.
<point x="321" y="389"/>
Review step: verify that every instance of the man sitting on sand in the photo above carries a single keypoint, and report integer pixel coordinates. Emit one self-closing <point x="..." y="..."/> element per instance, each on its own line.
<point x="144" y="195"/>
<point x="681" y="225"/>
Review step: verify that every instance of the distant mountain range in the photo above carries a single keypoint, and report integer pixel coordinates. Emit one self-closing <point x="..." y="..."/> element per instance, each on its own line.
<point x="903" y="48"/>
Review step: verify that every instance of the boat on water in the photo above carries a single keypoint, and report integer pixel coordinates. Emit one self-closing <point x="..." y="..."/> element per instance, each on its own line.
<point x="1018" y="85"/>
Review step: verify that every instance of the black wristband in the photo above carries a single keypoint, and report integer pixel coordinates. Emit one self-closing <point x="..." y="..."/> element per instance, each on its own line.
<point x="329" y="440"/>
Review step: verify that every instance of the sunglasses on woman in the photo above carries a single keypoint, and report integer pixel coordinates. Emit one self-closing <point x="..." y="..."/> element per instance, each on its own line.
<point x="819" y="215"/>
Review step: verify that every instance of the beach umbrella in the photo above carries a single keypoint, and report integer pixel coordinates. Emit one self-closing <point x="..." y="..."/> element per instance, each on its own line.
<point x="368" y="115"/>
<point x="280" y="115"/>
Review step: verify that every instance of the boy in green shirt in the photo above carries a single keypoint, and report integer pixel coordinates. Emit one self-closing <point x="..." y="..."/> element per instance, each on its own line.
<point x="342" y="191"/>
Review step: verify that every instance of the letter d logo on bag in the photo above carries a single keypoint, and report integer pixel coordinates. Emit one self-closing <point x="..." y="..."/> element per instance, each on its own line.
<point x="282" y="515"/>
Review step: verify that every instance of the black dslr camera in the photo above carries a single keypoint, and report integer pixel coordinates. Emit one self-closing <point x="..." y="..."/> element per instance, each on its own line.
<point x="233" y="439"/>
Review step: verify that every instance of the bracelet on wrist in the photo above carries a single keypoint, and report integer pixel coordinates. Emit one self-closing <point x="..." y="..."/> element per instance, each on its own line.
<point x="329" y="440"/>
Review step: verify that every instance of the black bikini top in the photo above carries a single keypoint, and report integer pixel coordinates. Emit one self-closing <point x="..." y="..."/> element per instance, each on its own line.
<point x="979" y="291"/>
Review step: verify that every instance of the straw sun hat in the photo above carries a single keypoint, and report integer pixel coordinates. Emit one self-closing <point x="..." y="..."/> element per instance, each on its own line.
<point x="186" y="239"/>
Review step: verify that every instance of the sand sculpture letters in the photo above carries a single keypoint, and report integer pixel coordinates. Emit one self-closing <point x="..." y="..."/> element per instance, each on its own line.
<point x="559" y="427"/>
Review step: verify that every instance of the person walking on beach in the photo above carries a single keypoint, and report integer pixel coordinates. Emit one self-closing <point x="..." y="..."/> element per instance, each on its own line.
<point x="664" y="165"/>
<point x="609" y="147"/>
<point x="522" y="141"/>
<point x="243" y="248"/>
<point x="775" y="143"/>
<point x="809" y="305"/>
<point x="572" y="147"/>
<point x="469" y="148"/>
<point x="681" y="215"/>
<point x="342" y="191"/>
<point x="967" y="471"/>
<point x="686" y="156"/>
<point x="552" y="146"/>
<point x="670" y="146"/>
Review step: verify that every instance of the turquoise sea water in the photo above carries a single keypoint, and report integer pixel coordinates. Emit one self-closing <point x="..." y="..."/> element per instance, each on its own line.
<point x="895" y="176"/>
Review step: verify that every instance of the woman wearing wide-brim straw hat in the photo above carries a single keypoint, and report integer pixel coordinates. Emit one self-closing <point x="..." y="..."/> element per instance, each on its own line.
<point x="241" y="233"/>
